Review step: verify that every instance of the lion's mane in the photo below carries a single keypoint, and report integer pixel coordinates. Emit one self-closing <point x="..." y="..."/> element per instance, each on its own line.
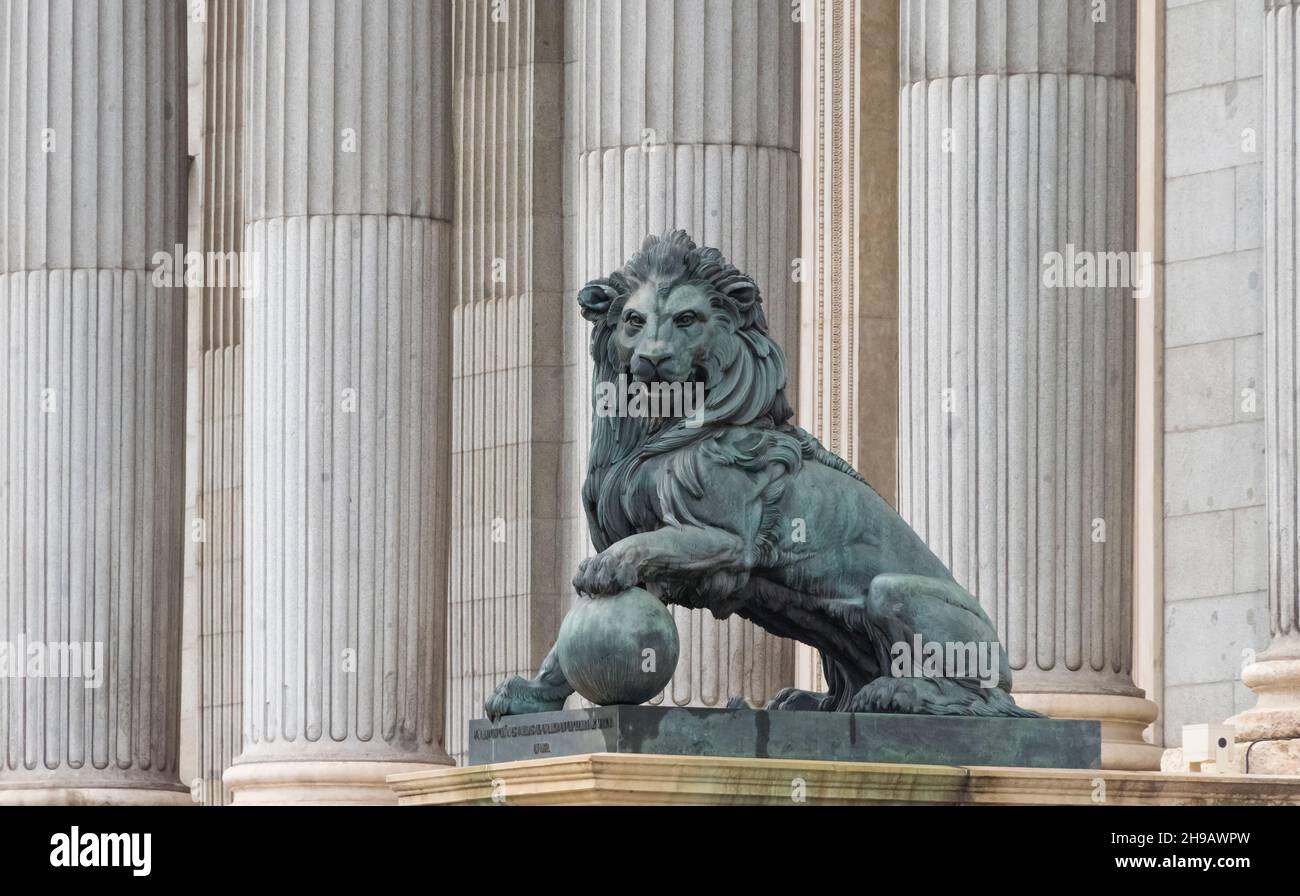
<point x="745" y="381"/>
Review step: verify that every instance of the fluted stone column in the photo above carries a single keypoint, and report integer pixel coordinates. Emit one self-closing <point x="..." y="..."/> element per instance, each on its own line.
<point x="688" y="117"/>
<point x="347" y="361"/>
<point x="1272" y="727"/>
<point x="218" y="404"/>
<point x="1018" y="128"/>
<point x="92" y="376"/>
<point x="508" y="309"/>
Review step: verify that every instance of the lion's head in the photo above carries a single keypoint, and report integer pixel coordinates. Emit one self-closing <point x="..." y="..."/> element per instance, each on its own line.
<point x="677" y="313"/>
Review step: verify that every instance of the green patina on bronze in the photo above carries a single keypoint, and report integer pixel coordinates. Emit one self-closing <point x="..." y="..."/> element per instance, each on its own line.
<point x="618" y="650"/>
<point x="757" y="734"/>
<point x="742" y="512"/>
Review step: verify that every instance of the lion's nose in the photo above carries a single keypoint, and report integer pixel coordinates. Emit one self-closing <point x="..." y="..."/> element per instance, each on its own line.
<point x="647" y="363"/>
<point x="642" y="368"/>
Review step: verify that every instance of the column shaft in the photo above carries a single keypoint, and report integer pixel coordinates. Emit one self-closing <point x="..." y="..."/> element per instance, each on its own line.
<point x="218" y="407"/>
<point x="92" y="375"/>
<point x="1273" y="725"/>
<point x="1018" y="127"/>
<point x="347" y="361"/>
<point x="688" y="117"/>
<point x="508" y="309"/>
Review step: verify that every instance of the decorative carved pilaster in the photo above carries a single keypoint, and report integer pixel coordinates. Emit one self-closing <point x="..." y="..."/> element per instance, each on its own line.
<point x="848" y="350"/>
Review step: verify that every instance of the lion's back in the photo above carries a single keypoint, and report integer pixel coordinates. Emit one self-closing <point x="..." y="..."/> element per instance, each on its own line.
<point x="833" y="514"/>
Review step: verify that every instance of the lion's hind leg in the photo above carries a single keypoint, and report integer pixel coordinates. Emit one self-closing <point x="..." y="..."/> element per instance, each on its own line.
<point x="944" y="657"/>
<point x="936" y="697"/>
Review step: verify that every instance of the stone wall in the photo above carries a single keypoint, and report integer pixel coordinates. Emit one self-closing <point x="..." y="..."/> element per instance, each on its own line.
<point x="1216" y="562"/>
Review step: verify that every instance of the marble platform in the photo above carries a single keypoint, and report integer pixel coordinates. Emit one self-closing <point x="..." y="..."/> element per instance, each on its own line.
<point x="607" y="779"/>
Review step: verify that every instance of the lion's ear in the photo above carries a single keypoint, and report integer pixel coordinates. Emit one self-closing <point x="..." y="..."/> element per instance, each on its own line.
<point x="596" y="298"/>
<point x="749" y="302"/>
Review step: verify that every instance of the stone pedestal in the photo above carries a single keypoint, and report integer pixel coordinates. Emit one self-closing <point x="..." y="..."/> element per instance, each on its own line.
<point x="347" y="363"/>
<point x="785" y="734"/>
<point x="1017" y="123"/>
<point x="608" y="779"/>
<point x="1272" y="727"/>
<point x="92" y="398"/>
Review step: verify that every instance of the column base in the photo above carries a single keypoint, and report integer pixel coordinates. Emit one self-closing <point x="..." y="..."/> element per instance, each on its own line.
<point x="1276" y="715"/>
<point x="318" y="782"/>
<point x="1268" y="735"/>
<point x="1123" y="719"/>
<point x="1268" y="757"/>
<point x="95" y="796"/>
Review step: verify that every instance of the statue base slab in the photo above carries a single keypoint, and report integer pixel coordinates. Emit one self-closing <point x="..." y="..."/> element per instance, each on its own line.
<point x="609" y="779"/>
<point x="786" y="734"/>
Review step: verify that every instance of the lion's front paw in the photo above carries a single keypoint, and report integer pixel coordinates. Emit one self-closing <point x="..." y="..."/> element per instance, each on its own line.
<point x="609" y="572"/>
<point x="887" y="694"/>
<point x="517" y="696"/>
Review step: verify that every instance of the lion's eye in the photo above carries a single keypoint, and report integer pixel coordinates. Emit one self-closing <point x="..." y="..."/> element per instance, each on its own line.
<point x="634" y="321"/>
<point x="685" y="320"/>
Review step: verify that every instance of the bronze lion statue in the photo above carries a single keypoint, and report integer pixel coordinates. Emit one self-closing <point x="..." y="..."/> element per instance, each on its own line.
<point x="736" y="510"/>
